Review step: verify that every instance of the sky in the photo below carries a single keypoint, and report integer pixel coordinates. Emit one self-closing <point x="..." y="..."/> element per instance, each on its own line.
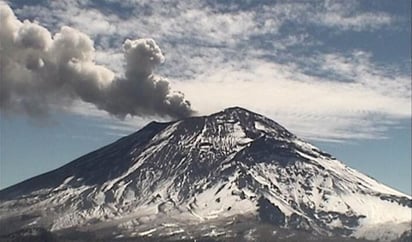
<point x="80" y="74"/>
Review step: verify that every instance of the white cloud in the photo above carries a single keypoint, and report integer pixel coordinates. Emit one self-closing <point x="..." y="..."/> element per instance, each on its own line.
<point x="94" y="22"/>
<point x="219" y="59"/>
<point x="112" y="125"/>
<point x="317" y="108"/>
<point x="359" y="22"/>
<point x="345" y="16"/>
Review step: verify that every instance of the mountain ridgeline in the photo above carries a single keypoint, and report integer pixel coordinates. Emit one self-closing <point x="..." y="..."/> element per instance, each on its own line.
<point x="232" y="175"/>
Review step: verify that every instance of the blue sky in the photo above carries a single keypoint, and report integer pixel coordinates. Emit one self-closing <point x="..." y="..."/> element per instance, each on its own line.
<point x="336" y="73"/>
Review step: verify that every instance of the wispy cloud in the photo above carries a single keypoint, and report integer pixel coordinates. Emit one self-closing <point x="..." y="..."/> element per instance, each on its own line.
<point x="345" y="15"/>
<point x="112" y="125"/>
<point x="272" y="58"/>
<point x="318" y="108"/>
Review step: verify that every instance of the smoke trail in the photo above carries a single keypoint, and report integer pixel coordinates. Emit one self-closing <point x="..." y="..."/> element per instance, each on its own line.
<point x="40" y="72"/>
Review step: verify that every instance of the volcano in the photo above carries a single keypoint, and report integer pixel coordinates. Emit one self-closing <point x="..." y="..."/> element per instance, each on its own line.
<point x="232" y="174"/>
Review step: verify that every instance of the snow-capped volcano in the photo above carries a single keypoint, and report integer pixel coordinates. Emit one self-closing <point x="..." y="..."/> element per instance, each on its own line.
<point x="202" y="175"/>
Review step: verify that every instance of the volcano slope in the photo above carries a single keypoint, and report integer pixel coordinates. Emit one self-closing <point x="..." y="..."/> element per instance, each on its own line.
<point x="226" y="175"/>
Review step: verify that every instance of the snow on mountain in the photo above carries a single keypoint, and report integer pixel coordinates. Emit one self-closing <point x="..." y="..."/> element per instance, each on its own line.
<point x="198" y="176"/>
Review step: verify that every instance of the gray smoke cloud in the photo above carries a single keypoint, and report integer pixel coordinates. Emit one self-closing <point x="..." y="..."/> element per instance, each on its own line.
<point x="40" y="72"/>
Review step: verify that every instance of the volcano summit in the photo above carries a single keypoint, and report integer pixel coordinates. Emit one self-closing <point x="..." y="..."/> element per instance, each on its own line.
<point x="232" y="174"/>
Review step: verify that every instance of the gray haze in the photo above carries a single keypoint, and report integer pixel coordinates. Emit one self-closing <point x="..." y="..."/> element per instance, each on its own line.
<point x="40" y="72"/>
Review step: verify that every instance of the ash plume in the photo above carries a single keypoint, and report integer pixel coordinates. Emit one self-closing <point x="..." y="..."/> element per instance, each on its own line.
<point x="40" y="71"/>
